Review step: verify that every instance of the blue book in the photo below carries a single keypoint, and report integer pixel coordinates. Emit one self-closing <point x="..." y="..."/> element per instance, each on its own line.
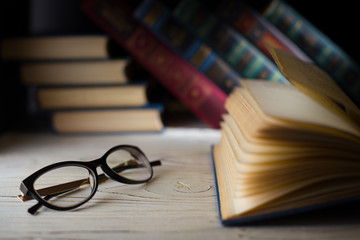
<point x="233" y="47"/>
<point x="324" y="52"/>
<point x="158" y="19"/>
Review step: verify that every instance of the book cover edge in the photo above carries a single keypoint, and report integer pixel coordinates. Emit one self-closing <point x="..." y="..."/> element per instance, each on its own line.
<point x="279" y="214"/>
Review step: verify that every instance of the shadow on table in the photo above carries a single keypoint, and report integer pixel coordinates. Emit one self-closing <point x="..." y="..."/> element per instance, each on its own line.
<point x="345" y="214"/>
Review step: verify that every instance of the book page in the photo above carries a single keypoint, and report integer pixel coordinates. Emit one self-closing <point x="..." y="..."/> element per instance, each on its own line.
<point x="317" y="84"/>
<point x="286" y="102"/>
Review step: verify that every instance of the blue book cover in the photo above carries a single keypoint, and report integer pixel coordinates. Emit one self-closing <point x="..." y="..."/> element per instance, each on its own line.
<point x="228" y="43"/>
<point x="324" y="52"/>
<point x="274" y="215"/>
<point x="155" y="16"/>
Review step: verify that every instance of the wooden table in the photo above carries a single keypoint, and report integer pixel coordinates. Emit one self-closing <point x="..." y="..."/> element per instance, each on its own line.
<point x="179" y="203"/>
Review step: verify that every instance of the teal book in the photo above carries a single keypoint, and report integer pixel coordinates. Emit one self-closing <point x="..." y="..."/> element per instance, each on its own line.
<point x="233" y="47"/>
<point x="252" y="25"/>
<point x="159" y="19"/>
<point x="324" y="52"/>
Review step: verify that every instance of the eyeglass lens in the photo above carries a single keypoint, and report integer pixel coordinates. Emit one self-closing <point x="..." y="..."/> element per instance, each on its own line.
<point x="70" y="185"/>
<point x="127" y="166"/>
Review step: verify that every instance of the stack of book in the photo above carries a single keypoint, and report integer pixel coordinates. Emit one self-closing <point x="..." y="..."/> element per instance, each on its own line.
<point x="83" y="89"/>
<point x="200" y="50"/>
<point x="290" y="138"/>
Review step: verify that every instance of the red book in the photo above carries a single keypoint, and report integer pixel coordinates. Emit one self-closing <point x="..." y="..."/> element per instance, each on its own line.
<point x="190" y="86"/>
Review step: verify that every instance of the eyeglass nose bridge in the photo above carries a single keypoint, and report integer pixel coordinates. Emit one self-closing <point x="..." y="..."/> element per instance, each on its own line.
<point x="114" y="173"/>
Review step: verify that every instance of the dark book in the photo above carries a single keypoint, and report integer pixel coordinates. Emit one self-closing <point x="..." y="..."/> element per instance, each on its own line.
<point x="12" y="97"/>
<point x="187" y="83"/>
<point x="159" y="19"/>
<point x="232" y="46"/>
<point x="324" y="52"/>
<point x="251" y="24"/>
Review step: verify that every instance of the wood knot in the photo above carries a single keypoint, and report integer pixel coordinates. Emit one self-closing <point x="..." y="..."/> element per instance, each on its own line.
<point x="185" y="187"/>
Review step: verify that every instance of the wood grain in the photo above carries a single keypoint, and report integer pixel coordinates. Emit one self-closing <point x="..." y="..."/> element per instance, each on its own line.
<point x="179" y="203"/>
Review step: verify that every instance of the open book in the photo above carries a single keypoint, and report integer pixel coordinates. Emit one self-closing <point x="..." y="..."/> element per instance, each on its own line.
<point x="287" y="148"/>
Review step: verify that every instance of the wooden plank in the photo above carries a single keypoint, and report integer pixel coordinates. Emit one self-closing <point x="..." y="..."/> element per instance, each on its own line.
<point x="179" y="203"/>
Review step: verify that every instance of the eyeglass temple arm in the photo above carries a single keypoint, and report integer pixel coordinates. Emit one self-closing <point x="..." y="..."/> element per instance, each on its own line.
<point x="64" y="187"/>
<point x="34" y="208"/>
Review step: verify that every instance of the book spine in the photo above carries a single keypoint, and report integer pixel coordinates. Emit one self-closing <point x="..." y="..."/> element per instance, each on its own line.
<point x="156" y="17"/>
<point x="234" y="48"/>
<point x="257" y="29"/>
<point x="325" y="53"/>
<point x="193" y="88"/>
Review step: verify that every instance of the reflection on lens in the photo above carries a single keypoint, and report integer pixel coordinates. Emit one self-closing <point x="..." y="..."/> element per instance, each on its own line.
<point x="66" y="186"/>
<point x="126" y="165"/>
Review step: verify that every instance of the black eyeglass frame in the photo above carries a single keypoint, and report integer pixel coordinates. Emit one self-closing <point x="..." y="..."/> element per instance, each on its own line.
<point x="27" y="185"/>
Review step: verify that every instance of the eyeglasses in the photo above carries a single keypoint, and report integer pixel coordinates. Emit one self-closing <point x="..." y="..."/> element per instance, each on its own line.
<point x="68" y="185"/>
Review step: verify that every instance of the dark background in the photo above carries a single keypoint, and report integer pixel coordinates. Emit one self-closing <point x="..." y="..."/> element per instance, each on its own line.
<point x="338" y="20"/>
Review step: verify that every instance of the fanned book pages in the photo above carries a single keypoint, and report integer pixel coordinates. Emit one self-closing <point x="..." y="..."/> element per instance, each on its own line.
<point x="287" y="148"/>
